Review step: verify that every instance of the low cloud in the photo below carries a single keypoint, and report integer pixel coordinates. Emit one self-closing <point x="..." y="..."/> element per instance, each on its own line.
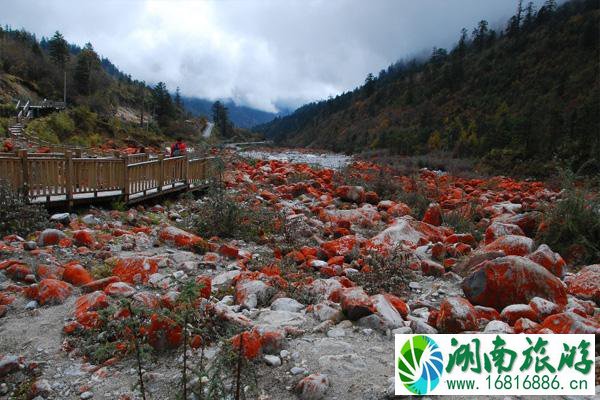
<point x="265" y="54"/>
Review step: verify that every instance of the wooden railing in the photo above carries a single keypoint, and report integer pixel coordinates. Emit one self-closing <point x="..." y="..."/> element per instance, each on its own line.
<point x="62" y="177"/>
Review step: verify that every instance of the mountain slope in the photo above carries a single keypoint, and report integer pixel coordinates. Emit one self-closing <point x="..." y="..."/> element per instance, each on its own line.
<point x="241" y="116"/>
<point x="529" y="92"/>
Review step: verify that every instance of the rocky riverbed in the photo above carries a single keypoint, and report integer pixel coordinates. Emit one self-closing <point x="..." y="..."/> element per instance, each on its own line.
<point x="314" y="295"/>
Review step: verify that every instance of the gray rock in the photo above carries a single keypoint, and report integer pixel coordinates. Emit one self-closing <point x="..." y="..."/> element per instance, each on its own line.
<point x="253" y="293"/>
<point x="279" y="319"/>
<point x="90" y="219"/>
<point x="297" y="370"/>
<point x="272" y="361"/>
<point x="63" y="218"/>
<point x="403" y="330"/>
<point x="336" y="332"/>
<point x="30" y="245"/>
<point x="86" y="395"/>
<point x="387" y="312"/>
<point x="32" y="305"/>
<point x="420" y="326"/>
<point x="328" y="311"/>
<point x="286" y="304"/>
<point x="498" y="327"/>
<point x="373" y="321"/>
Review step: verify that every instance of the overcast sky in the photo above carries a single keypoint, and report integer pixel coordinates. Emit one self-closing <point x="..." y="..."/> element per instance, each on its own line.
<point x="263" y="53"/>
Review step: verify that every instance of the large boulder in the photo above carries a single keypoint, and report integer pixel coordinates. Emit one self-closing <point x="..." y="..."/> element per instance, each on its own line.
<point x="76" y="274"/>
<point x="355" y="194"/>
<point x="498" y="229"/>
<point x="134" y="269"/>
<point x="456" y="315"/>
<point x="586" y="284"/>
<point x="180" y="238"/>
<point x="386" y="311"/>
<point x="512" y="245"/>
<point x="251" y="293"/>
<point x="52" y="291"/>
<point x="548" y="259"/>
<point x="569" y="322"/>
<point x="355" y="303"/>
<point x="50" y="237"/>
<point x="512" y="280"/>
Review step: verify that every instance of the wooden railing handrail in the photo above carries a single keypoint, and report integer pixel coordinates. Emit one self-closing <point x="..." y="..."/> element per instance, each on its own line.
<point x="63" y="177"/>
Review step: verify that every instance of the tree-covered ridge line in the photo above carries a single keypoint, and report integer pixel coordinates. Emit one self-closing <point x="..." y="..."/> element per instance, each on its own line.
<point x="528" y="92"/>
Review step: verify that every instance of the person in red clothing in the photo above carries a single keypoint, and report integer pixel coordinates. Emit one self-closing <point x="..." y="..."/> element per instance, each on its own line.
<point x="178" y="148"/>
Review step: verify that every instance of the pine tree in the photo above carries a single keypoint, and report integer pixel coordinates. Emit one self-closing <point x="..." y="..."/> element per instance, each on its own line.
<point x="164" y="108"/>
<point x="87" y="63"/>
<point x="58" y="49"/>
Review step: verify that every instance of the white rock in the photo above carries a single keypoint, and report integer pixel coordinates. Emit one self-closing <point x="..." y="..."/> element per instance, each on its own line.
<point x="272" y="361"/>
<point x="336" y="332"/>
<point x="286" y="304"/>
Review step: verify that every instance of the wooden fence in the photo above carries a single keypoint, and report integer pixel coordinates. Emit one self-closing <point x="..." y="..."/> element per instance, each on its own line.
<point x="63" y="177"/>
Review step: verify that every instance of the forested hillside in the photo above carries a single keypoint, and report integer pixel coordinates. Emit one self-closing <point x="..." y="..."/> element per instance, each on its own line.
<point x="527" y="92"/>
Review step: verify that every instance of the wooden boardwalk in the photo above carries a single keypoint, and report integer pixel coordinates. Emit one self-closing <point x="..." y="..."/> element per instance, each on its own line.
<point x="62" y="178"/>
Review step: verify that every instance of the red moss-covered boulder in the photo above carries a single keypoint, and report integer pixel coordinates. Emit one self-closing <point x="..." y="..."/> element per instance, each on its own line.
<point x="229" y="251"/>
<point x="512" y="280"/>
<point x="180" y="238"/>
<point x="354" y="194"/>
<point x="50" y="237"/>
<point x="18" y="271"/>
<point x="548" y="259"/>
<point x="498" y="229"/>
<point x="76" y="274"/>
<point x="431" y="268"/>
<point x="250" y="342"/>
<point x="135" y="269"/>
<point x="569" y="322"/>
<point x="205" y="283"/>
<point x="83" y="238"/>
<point x="543" y="308"/>
<point x="341" y="246"/>
<point x="512" y="245"/>
<point x="99" y="284"/>
<point x="398" y="304"/>
<point x="119" y="289"/>
<point x="512" y="313"/>
<point x="456" y="315"/>
<point x="586" y="284"/>
<point x="86" y="308"/>
<point x="433" y="215"/>
<point x="53" y="291"/>
<point x="355" y="303"/>
<point x="164" y="333"/>
<point x="487" y="313"/>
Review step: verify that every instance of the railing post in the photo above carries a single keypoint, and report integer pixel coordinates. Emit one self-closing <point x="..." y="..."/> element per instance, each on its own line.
<point x="185" y="169"/>
<point x="69" y="178"/>
<point x="161" y="171"/>
<point x="25" y="169"/>
<point x="125" y="179"/>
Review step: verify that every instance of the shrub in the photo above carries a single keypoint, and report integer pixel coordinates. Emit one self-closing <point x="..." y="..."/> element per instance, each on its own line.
<point x="17" y="216"/>
<point x="572" y="225"/>
<point x="220" y="214"/>
<point x="390" y="273"/>
<point x="463" y="220"/>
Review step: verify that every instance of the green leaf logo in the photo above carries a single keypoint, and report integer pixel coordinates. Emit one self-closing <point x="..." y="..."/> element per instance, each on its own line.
<point x="420" y="364"/>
